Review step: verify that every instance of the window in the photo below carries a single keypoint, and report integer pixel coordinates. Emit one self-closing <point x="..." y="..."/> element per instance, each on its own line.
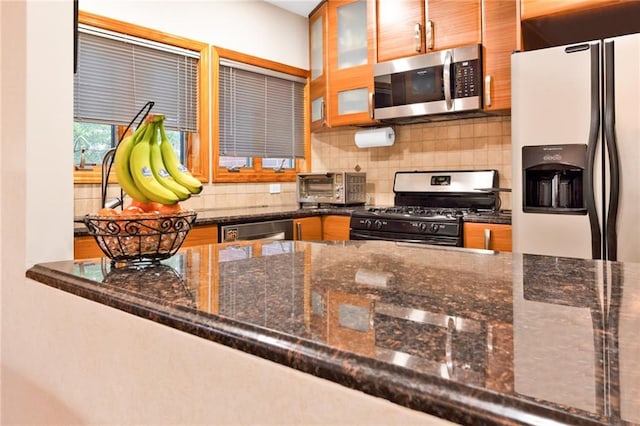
<point x="259" y="130"/>
<point x="95" y="139"/>
<point x="120" y="68"/>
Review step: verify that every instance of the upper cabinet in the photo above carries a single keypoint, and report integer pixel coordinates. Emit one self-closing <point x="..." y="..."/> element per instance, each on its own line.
<point x="538" y="8"/>
<point x="547" y="23"/>
<point x="499" y="41"/>
<point x="348" y="36"/>
<point x="341" y="55"/>
<point x="412" y="27"/>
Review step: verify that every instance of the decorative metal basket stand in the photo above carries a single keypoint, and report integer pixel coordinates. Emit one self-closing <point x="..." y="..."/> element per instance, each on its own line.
<point x="146" y="238"/>
<point x="139" y="239"/>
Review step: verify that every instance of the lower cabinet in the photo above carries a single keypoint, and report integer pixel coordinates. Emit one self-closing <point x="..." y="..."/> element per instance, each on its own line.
<point x="85" y="247"/>
<point x="335" y="227"/>
<point x="487" y="236"/>
<point x="327" y="227"/>
<point x="307" y="228"/>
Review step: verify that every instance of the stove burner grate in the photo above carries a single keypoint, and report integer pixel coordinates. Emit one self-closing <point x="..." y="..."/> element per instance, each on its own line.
<point x="418" y="211"/>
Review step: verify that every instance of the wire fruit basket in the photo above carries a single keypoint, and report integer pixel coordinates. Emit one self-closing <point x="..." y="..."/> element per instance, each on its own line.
<point x="145" y="238"/>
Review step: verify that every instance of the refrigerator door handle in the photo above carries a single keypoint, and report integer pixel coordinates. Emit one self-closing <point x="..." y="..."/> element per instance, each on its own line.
<point x="594" y="130"/>
<point x="612" y="150"/>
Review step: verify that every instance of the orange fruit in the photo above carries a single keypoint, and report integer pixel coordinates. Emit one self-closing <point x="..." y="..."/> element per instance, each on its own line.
<point x="132" y="211"/>
<point x="146" y="207"/>
<point x="167" y="209"/>
<point x="107" y="212"/>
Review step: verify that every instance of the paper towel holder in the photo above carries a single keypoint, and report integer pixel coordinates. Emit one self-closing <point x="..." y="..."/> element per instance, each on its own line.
<point x="375" y="137"/>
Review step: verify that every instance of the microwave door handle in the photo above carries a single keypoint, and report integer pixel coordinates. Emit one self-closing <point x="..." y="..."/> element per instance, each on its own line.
<point x="446" y="79"/>
<point x="372" y="100"/>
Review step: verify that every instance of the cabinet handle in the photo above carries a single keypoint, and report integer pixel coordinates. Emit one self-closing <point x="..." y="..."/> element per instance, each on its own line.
<point x="487" y="238"/>
<point x="417" y="36"/>
<point x="323" y="113"/>
<point x="429" y="34"/>
<point x="299" y="231"/>
<point x="487" y="91"/>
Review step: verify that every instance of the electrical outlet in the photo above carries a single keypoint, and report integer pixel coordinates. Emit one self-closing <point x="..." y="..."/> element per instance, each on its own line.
<point x="274" y="188"/>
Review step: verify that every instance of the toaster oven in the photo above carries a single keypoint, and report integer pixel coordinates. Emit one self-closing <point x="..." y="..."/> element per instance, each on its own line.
<point x="335" y="188"/>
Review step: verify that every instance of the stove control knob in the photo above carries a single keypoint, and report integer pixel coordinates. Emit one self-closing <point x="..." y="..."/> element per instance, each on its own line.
<point x="377" y="224"/>
<point x="434" y="227"/>
<point x="367" y="223"/>
<point x="423" y="226"/>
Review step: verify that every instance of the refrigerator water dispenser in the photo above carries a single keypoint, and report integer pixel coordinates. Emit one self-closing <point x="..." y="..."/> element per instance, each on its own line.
<point x="553" y="179"/>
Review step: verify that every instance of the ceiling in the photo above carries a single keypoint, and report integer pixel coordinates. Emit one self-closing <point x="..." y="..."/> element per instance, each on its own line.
<point x="299" y="7"/>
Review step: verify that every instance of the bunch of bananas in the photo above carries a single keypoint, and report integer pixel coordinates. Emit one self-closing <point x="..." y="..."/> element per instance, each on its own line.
<point x="148" y="169"/>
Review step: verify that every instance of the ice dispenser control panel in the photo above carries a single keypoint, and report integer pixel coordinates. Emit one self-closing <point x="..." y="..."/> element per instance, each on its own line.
<point x="553" y="178"/>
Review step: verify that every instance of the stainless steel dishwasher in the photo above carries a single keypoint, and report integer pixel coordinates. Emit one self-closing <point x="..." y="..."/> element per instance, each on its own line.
<point x="272" y="229"/>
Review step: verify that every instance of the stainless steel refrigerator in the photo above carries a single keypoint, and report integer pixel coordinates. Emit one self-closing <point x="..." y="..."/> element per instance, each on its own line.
<point x="576" y="150"/>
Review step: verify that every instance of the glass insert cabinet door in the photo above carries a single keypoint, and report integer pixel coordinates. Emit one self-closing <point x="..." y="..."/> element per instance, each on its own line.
<point x="341" y="56"/>
<point x="318" y="63"/>
<point x="352" y="35"/>
<point x="351" y="70"/>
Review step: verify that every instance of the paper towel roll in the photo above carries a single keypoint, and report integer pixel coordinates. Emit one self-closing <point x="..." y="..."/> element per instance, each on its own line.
<point x="382" y="136"/>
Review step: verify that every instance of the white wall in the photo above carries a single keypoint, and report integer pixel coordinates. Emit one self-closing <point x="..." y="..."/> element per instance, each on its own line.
<point x="248" y="26"/>
<point x="36" y="191"/>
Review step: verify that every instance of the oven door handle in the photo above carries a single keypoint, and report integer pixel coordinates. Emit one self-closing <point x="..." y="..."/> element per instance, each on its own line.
<point x="360" y="236"/>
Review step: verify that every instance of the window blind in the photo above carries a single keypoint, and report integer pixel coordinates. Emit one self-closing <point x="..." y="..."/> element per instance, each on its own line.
<point x="261" y="112"/>
<point x="117" y="75"/>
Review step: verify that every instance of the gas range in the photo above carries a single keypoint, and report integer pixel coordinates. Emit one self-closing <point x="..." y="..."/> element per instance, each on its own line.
<point x="429" y="207"/>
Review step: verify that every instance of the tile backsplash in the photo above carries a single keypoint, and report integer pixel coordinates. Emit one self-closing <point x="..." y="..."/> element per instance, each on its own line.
<point x="220" y="195"/>
<point x="478" y="143"/>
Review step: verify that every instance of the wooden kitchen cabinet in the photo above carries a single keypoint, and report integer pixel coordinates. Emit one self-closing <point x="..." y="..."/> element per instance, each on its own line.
<point x="413" y="27"/>
<point x="335" y="227"/>
<point x="500" y="40"/>
<point x="538" y="8"/>
<point x="85" y="247"/>
<point x="307" y="228"/>
<point x="487" y="236"/>
<point x="350" y="322"/>
<point x="341" y="51"/>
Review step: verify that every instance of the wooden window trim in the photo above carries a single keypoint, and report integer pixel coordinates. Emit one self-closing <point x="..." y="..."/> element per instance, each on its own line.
<point x="255" y="174"/>
<point x="197" y="154"/>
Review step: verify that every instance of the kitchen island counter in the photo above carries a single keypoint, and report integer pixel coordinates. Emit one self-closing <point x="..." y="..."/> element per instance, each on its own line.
<point x="470" y="336"/>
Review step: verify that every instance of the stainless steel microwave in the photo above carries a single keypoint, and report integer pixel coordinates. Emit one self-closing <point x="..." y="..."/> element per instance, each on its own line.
<point x="443" y="82"/>
<point x="336" y="188"/>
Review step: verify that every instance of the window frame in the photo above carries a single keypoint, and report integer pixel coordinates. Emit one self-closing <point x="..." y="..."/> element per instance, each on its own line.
<point x="256" y="173"/>
<point x="197" y="157"/>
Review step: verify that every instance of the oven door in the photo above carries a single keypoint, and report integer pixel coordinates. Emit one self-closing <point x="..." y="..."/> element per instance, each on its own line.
<point x="438" y="240"/>
<point x="316" y="188"/>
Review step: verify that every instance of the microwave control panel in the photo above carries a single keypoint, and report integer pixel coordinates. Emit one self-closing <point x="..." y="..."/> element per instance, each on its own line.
<point x="467" y="78"/>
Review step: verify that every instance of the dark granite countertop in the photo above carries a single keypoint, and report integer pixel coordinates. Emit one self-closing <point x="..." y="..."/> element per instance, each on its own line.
<point x="219" y="216"/>
<point x="472" y="336"/>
